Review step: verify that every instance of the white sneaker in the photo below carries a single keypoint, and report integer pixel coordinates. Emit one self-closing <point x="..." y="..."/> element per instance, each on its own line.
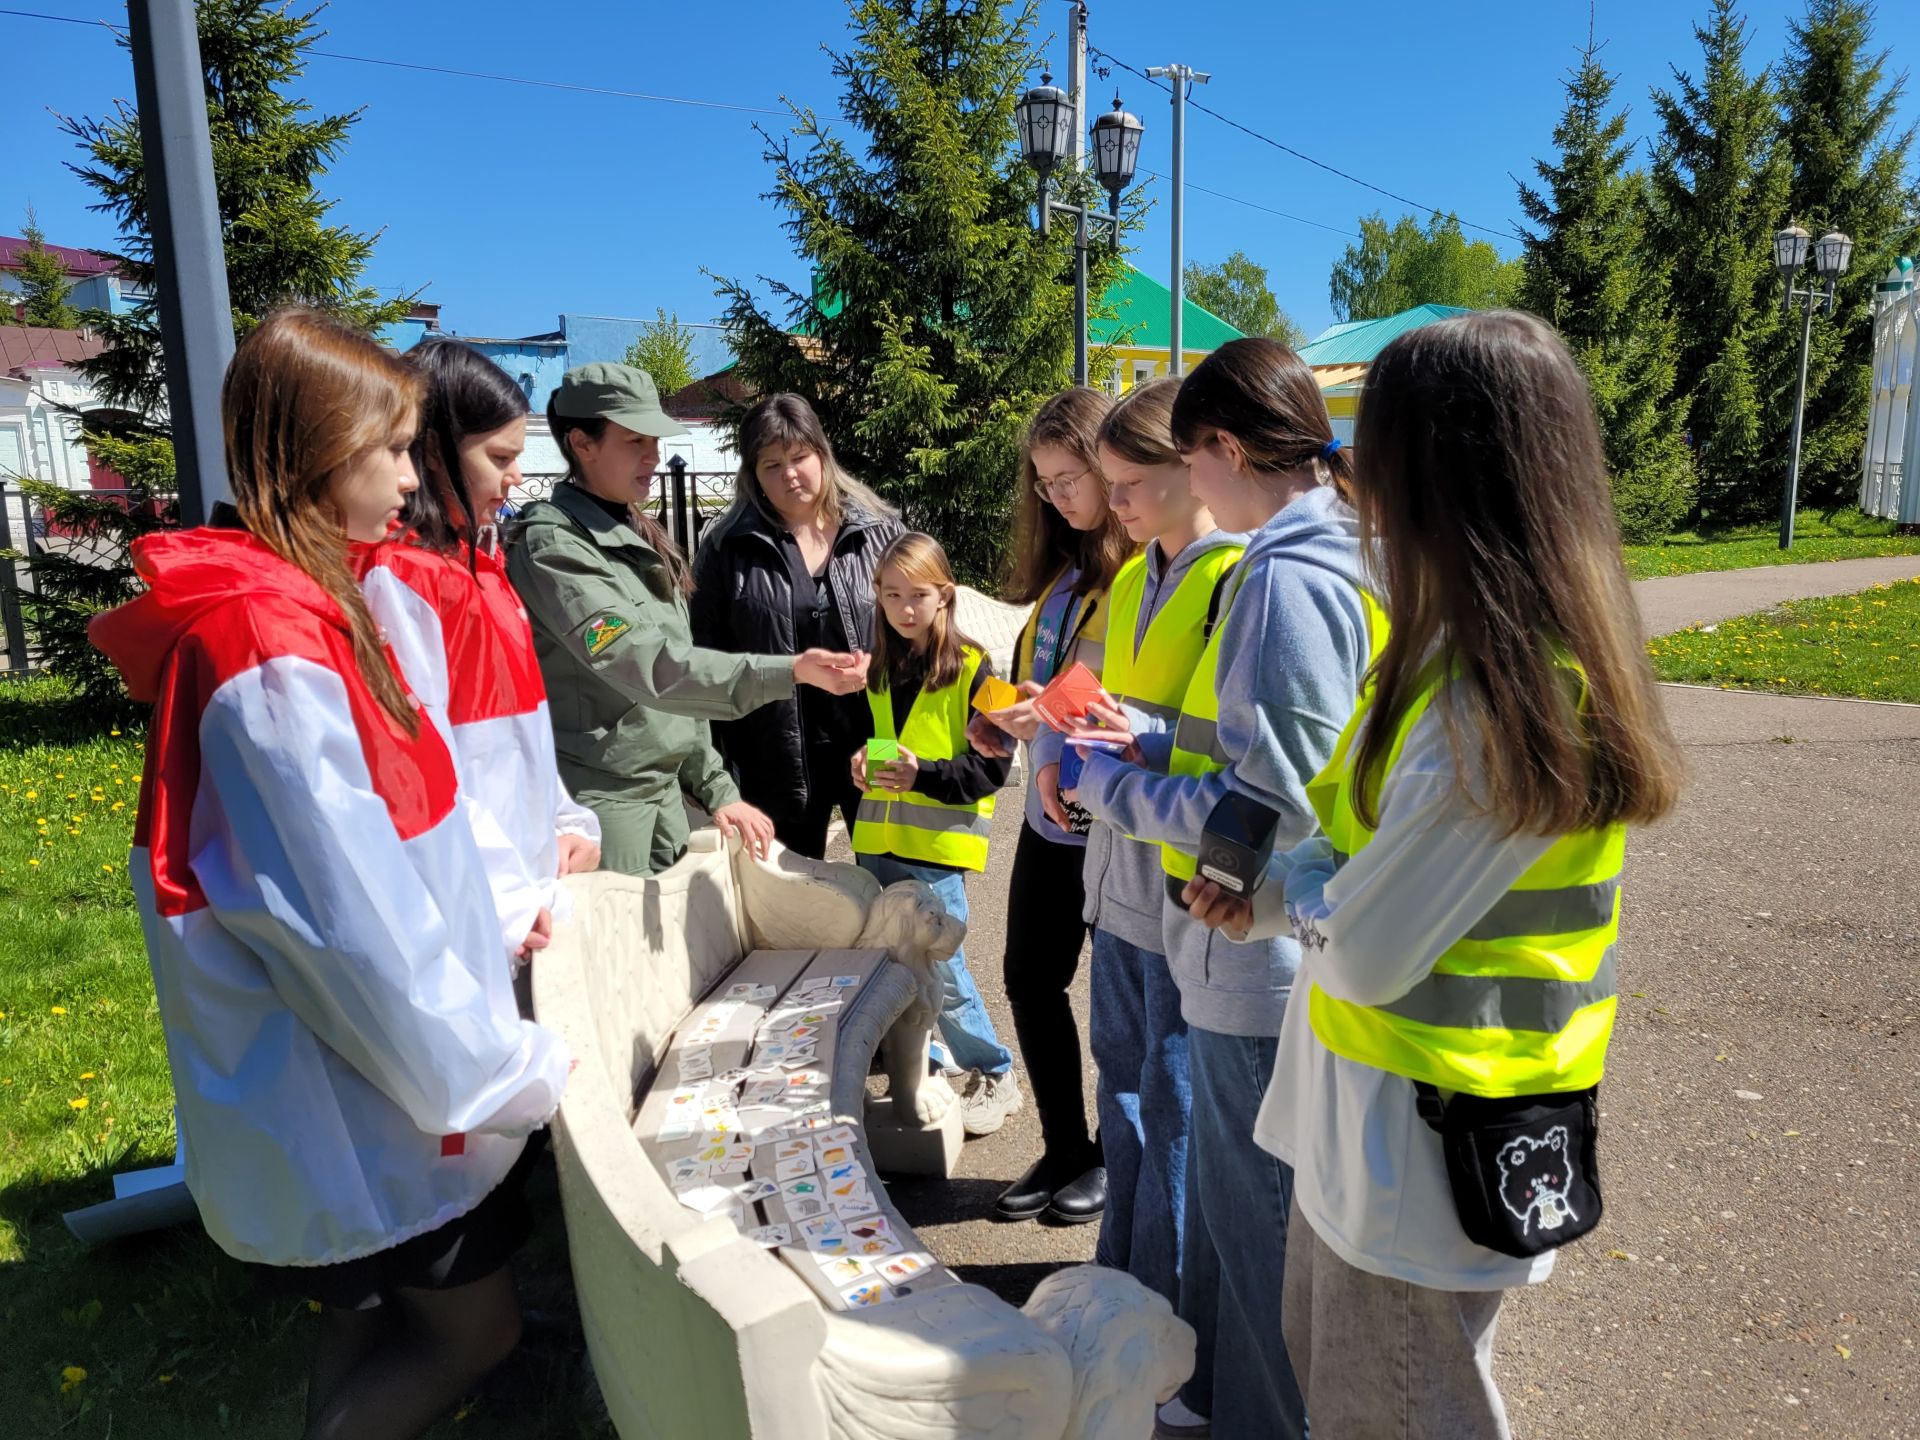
<point x="1174" y="1421"/>
<point x="988" y="1100"/>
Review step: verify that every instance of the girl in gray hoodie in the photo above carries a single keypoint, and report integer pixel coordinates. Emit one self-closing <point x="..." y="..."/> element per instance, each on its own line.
<point x="1261" y="719"/>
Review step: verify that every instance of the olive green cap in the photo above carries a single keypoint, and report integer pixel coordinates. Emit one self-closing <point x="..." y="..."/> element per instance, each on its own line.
<point x="623" y="394"/>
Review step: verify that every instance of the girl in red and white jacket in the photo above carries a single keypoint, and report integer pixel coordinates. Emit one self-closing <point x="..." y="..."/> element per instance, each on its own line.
<point x="355" y="1087"/>
<point x="461" y="639"/>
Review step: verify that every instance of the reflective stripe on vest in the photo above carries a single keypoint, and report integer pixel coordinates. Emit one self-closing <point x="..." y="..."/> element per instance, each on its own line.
<point x="917" y="828"/>
<point x="1196" y="738"/>
<point x="1523" y="1004"/>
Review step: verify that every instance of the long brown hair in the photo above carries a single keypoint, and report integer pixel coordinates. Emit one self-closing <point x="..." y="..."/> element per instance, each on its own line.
<point x="304" y="397"/>
<point x="1043" y="543"/>
<point x="787" y="419"/>
<point x="1140" y="427"/>
<point x="1482" y="487"/>
<point x="1262" y="394"/>
<point x="920" y="559"/>
<point x="679" y="573"/>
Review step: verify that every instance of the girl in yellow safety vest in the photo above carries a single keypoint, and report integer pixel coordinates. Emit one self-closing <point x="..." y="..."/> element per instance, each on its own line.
<point x="926" y="804"/>
<point x="1161" y="602"/>
<point x="1459" y="912"/>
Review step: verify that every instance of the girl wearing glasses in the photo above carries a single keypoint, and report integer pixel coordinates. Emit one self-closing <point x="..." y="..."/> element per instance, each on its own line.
<point x="1067" y="547"/>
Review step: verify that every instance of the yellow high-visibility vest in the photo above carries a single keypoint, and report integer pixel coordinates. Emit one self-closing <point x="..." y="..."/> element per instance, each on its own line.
<point x="1153" y="679"/>
<point x="1196" y="736"/>
<point x="1524" y="1003"/>
<point x="918" y="828"/>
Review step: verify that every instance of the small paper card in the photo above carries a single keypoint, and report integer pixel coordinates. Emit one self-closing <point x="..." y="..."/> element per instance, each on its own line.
<point x="854" y="1207"/>
<point x="754" y="1191"/>
<point x="836" y="1135"/>
<point x="882" y="752"/>
<point x="793" y="1150"/>
<point x="696" y="1065"/>
<point x="994" y="694"/>
<point x="804" y="1207"/>
<point x="690" y="1171"/>
<point x="762" y="1089"/>
<point x="872" y="1237"/>
<point x="841" y="1174"/>
<point x="676" y="1127"/>
<point x="824" y="1236"/>
<point x="898" y="1269"/>
<point x="733" y="1167"/>
<point x="865" y="1295"/>
<point x="833" y="1156"/>
<point x="720" y="1152"/>
<point x="806" y="1187"/>
<point x="846" y="982"/>
<point x="794" y="1169"/>
<point x="771" y="1236"/>
<point x="843" y="1269"/>
<point x="750" y="992"/>
<point x="706" y="1198"/>
<point x="800" y="1057"/>
<point x="687" y="1097"/>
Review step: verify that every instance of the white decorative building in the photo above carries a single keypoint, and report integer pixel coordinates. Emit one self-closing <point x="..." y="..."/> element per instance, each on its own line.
<point x="1890" y="465"/>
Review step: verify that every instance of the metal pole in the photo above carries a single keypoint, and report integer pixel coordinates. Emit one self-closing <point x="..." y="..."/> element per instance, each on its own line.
<point x="1182" y="76"/>
<point x="1799" y="412"/>
<point x="10" y="618"/>
<point x="1077" y="80"/>
<point x="189" y="259"/>
<point x="1080" y="296"/>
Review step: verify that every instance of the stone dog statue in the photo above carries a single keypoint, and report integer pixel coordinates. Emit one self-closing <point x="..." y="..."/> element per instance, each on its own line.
<point x="1129" y="1350"/>
<point x="909" y="924"/>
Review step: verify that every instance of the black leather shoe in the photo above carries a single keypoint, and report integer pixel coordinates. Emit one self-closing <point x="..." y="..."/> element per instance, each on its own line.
<point x="1033" y="1192"/>
<point x="1080" y="1200"/>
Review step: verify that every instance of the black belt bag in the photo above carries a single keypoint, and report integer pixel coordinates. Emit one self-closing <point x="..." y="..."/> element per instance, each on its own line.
<point x="1524" y="1170"/>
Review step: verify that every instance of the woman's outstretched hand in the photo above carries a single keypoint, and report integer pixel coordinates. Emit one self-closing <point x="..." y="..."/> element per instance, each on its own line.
<point x="752" y="826"/>
<point x="835" y="671"/>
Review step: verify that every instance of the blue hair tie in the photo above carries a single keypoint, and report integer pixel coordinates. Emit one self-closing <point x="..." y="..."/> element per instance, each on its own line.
<point x="1330" y="449"/>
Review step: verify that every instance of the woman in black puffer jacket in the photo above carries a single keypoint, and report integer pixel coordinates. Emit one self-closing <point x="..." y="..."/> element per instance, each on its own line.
<point x="789" y="567"/>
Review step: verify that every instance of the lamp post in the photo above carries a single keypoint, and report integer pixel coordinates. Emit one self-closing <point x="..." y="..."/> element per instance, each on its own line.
<point x="1048" y="123"/>
<point x="1831" y="253"/>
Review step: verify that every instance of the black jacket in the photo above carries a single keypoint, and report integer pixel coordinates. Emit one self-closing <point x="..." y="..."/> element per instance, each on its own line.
<point x="743" y="602"/>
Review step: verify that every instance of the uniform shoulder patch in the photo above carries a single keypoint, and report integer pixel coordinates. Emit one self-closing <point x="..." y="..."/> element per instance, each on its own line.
<point x="603" y="631"/>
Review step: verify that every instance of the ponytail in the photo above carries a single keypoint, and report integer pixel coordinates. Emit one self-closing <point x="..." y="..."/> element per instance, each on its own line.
<point x="1262" y="394"/>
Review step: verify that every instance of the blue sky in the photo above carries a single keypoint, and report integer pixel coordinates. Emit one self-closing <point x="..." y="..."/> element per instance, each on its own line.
<point x="511" y="204"/>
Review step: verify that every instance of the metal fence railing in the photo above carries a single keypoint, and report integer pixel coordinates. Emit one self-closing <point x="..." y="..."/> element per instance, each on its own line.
<point x="685" y="502"/>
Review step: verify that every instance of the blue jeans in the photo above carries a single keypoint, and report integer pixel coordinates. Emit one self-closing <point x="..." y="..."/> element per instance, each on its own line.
<point x="1232" y="1269"/>
<point x="1143" y="1098"/>
<point x="965" y="1027"/>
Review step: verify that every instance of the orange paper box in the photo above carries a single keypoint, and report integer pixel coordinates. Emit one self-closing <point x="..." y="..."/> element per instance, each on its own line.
<point x="994" y="694"/>
<point x="1065" y="701"/>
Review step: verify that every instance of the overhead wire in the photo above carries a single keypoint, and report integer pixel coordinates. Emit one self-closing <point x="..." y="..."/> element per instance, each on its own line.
<point x="1111" y="59"/>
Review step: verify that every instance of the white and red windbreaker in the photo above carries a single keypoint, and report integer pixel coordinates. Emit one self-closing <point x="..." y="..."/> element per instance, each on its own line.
<point x="348" y="1062"/>
<point x="461" y="639"/>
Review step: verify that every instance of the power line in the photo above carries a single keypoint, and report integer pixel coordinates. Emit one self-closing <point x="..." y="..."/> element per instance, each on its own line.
<point x="1093" y="51"/>
<point x="1267" y="209"/>
<point x="462" y="74"/>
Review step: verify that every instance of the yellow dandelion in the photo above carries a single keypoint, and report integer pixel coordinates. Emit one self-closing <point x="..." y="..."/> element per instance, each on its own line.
<point x="86" y="1074"/>
<point x="59" y="1009"/>
<point x="106" y="869"/>
<point x="119" y="804"/>
<point x="71" y="1376"/>
<point x="31" y="795"/>
<point x="78" y="1103"/>
<point x="36" y="862"/>
<point x="164" y="1379"/>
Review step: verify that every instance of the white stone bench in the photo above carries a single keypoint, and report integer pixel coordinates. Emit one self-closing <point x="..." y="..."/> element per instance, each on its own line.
<point x="696" y="1330"/>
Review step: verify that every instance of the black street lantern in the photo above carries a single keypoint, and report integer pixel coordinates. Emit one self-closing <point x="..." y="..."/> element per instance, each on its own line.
<point x="1045" y="117"/>
<point x="1832" y="253"/>
<point x="1116" y="150"/>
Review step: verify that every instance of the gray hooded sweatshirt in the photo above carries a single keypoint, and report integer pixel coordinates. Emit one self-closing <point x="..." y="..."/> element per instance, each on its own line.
<point x="1122" y="875"/>
<point x="1293" y="649"/>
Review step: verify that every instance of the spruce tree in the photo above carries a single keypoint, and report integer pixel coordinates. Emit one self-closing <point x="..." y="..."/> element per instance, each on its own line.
<point x="664" y="349"/>
<point x="268" y="148"/>
<point x="1589" y="270"/>
<point x="1848" y="173"/>
<point x="44" y="286"/>
<point x="937" y="318"/>
<point x="1719" y="189"/>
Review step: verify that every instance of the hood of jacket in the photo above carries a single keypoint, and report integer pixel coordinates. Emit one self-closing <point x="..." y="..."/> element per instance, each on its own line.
<point x="187" y="574"/>
<point x="1320" y="529"/>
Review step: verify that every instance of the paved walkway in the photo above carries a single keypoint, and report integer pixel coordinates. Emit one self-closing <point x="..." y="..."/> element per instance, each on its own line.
<point x="1761" y="1114"/>
<point x="1673" y="602"/>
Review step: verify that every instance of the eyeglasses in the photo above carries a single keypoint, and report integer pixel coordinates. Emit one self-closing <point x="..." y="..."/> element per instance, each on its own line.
<point x="1065" y="488"/>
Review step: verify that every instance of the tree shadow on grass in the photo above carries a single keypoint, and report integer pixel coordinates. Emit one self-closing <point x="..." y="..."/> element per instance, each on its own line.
<point x="43" y="710"/>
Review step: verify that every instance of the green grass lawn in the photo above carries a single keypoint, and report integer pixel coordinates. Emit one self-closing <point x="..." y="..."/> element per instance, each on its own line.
<point x="162" y="1335"/>
<point x="1847" y="535"/>
<point x="1865" y="645"/>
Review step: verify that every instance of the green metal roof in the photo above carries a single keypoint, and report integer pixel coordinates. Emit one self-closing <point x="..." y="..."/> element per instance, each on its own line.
<point x="1143" y="316"/>
<point x="1357" y="342"/>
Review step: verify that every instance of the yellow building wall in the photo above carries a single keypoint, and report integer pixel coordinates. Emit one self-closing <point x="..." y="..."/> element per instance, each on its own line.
<point x="1135" y="363"/>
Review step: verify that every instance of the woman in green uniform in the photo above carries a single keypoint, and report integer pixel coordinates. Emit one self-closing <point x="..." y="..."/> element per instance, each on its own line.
<point x="605" y="589"/>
